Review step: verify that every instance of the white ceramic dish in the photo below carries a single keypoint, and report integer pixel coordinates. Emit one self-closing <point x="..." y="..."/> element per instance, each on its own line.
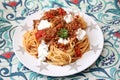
<point x="96" y="45"/>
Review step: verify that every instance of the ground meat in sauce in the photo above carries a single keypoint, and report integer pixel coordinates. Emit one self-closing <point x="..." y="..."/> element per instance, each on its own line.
<point x="58" y="22"/>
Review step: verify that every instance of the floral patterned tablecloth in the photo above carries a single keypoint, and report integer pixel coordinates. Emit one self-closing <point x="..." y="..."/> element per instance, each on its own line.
<point x="105" y="12"/>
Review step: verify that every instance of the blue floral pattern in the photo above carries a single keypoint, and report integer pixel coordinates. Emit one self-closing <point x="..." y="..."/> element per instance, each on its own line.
<point x="105" y="12"/>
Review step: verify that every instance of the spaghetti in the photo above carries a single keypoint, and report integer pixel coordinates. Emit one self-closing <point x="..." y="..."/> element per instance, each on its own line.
<point x="30" y="43"/>
<point x="64" y="45"/>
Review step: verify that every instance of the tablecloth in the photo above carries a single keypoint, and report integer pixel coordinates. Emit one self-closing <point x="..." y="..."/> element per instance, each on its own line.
<point x="105" y="12"/>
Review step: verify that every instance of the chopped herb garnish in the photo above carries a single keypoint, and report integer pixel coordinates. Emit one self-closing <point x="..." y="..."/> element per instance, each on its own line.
<point x="63" y="33"/>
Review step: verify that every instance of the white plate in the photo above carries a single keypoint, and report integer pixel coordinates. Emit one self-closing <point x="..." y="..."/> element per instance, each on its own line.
<point x="96" y="45"/>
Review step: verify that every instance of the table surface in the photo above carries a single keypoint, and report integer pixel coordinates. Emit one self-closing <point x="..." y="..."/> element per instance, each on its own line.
<point x="105" y="12"/>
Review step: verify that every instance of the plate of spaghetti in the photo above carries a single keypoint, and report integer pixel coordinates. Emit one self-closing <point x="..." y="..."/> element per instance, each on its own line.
<point x="58" y="42"/>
